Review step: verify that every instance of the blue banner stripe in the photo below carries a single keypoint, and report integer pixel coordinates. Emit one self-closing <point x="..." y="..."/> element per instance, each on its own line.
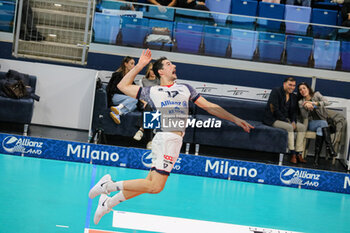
<point x="186" y="164"/>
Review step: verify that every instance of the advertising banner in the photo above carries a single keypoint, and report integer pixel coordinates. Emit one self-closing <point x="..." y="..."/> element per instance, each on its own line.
<point x="185" y="164"/>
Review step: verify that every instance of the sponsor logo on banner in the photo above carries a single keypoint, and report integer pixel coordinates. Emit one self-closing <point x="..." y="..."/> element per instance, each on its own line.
<point x="264" y="95"/>
<point x="237" y="92"/>
<point x="205" y="89"/>
<point x="146" y="159"/>
<point x="85" y="152"/>
<point x="346" y="182"/>
<point x="12" y="144"/>
<point x="290" y="176"/>
<point x="223" y="167"/>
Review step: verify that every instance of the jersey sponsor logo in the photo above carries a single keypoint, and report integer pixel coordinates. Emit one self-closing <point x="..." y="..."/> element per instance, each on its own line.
<point x="165" y="165"/>
<point x="169" y="158"/>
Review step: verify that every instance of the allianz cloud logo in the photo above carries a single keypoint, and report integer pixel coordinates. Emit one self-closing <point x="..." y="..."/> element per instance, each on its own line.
<point x="289" y="176"/>
<point x="147" y="159"/>
<point x="12" y="144"/>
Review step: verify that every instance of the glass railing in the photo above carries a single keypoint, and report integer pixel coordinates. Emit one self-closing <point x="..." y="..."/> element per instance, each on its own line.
<point x="296" y="35"/>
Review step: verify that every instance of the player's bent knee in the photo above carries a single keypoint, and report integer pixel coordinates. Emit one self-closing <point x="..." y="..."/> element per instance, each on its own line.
<point x="156" y="189"/>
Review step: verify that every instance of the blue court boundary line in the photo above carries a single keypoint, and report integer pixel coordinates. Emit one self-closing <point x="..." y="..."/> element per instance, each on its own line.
<point x="88" y="214"/>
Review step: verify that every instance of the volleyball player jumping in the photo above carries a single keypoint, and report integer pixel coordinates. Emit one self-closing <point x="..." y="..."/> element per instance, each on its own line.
<point x="166" y="145"/>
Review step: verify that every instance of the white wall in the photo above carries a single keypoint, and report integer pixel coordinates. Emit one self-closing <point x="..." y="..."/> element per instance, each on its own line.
<point x="67" y="93"/>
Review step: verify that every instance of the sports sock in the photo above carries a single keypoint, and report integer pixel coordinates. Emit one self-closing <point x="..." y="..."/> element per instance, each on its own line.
<point x="120" y="106"/>
<point x="115" y="186"/>
<point x="115" y="200"/>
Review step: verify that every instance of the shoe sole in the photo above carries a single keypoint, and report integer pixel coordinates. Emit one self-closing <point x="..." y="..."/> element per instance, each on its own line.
<point x="104" y="179"/>
<point x="116" y="120"/>
<point x="115" y="110"/>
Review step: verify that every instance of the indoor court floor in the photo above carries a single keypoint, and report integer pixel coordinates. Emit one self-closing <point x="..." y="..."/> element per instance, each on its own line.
<point x="49" y="196"/>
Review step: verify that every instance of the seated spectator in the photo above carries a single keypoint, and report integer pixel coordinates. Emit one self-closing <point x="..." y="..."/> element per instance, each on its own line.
<point x="299" y="2"/>
<point x="313" y="107"/>
<point x="345" y="13"/>
<point x="163" y="2"/>
<point x="148" y="80"/>
<point x="281" y="112"/>
<point x="120" y="104"/>
<point x="192" y="4"/>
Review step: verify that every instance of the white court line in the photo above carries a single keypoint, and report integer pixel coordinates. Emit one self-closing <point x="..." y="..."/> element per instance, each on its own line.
<point x="148" y="222"/>
<point x="62" y="226"/>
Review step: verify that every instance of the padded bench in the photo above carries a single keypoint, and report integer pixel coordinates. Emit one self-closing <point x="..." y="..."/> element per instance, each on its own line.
<point x="18" y="110"/>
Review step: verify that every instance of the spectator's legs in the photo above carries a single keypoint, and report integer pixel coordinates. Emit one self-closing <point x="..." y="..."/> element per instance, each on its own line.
<point x="129" y="103"/>
<point x="290" y="2"/>
<point x="306" y="3"/>
<point x="301" y="130"/>
<point x="286" y="126"/>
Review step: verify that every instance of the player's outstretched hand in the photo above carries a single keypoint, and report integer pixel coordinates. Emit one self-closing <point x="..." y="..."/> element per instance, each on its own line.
<point x="245" y="126"/>
<point x="145" y="57"/>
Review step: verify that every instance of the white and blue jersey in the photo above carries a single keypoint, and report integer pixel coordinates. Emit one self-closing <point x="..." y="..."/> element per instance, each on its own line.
<point x="172" y="102"/>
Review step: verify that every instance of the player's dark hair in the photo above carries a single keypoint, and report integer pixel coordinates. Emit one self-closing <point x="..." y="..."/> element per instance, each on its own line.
<point x="158" y="65"/>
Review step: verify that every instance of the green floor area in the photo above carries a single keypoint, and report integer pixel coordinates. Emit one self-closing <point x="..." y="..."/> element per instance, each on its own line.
<point x="39" y="195"/>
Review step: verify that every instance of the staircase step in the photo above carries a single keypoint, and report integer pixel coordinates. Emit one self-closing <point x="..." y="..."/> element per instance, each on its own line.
<point x="61" y="19"/>
<point x="61" y="5"/>
<point x="62" y="35"/>
<point x="47" y="49"/>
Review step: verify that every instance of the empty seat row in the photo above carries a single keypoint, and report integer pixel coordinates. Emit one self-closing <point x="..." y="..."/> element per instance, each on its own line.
<point x="225" y="42"/>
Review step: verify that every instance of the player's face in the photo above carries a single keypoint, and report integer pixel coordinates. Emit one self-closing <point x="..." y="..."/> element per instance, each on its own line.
<point x="168" y="70"/>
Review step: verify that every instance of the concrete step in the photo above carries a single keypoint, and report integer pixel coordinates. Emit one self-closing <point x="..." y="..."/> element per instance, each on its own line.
<point x="50" y="50"/>
<point x="62" y="35"/>
<point x="60" y="19"/>
<point x="62" y="5"/>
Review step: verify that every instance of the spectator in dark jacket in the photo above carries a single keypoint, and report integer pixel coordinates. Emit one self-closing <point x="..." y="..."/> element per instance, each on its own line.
<point x="281" y="112"/>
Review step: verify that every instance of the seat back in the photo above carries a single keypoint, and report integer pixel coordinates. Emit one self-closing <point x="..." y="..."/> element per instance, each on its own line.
<point x="134" y="31"/>
<point x="222" y="6"/>
<point x="270" y="10"/>
<point x="326" y="53"/>
<point x="243" y="7"/>
<point x="298" y="49"/>
<point x="216" y="40"/>
<point x="188" y="37"/>
<point x="345" y="55"/>
<point x="299" y="14"/>
<point x="7" y="13"/>
<point x="245" y="109"/>
<point x="271" y="46"/>
<point x="243" y="43"/>
<point x="106" y="28"/>
<point x="193" y="17"/>
<point x="323" y="16"/>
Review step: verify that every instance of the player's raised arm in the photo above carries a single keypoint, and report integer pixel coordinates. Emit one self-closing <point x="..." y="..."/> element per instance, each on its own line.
<point x="126" y="84"/>
<point x="218" y="111"/>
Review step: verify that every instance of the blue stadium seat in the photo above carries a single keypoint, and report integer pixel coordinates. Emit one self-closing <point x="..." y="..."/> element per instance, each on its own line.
<point x="243" y="43"/>
<point x="243" y="7"/>
<point x="159" y="12"/>
<point x="299" y="14"/>
<point x="271" y="46"/>
<point x="298" y="49"/>
<point x="134" y="31"/>
<point x="322" y="16"/>
<point x="222" y="6"/>
<point x="270" y="10"/>
<point x="216" y="40"/>
<point x="7" y="13"/>
<point x="106" y="28"/>
<point x="188" y="37"/>
<point x="326" y="53"/>
<point x="345" y="55"/>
